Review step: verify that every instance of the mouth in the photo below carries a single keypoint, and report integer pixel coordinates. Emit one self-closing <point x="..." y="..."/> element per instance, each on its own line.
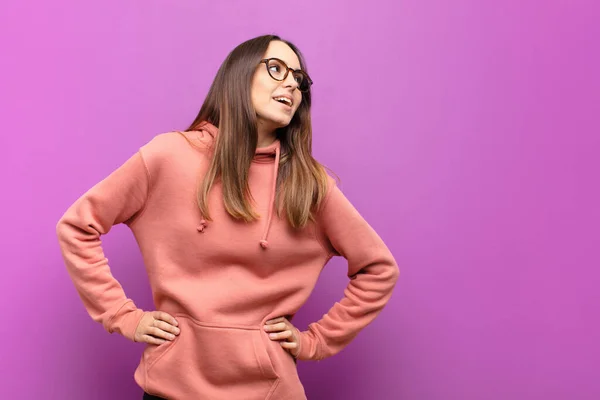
<point x="284" y="100"/>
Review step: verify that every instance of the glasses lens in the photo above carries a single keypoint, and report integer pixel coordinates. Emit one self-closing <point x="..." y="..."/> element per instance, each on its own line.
<point x="300" y="79"/>
<point x="276" y="69"/>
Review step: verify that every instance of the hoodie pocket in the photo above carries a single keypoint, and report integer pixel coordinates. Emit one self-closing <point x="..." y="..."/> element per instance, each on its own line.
<point x="212" y="361"/>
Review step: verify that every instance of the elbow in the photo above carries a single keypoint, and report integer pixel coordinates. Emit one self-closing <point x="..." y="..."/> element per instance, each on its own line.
<point x="393" y="269"/>
<point x="60" y="229"/>
<point x="394" y="272"/>
<point x="388" y="272"/>
<point x="64" y="232"/>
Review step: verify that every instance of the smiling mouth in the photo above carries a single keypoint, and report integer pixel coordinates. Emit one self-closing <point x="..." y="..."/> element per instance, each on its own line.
<point x="283" y="100"/>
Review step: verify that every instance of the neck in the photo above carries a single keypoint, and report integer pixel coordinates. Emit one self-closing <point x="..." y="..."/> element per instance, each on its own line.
<point x="266" y="136"/>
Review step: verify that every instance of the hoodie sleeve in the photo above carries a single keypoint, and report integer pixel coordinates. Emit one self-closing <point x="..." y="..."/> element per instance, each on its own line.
<point x="118" y="198"/>
<point x="372" y="270"/>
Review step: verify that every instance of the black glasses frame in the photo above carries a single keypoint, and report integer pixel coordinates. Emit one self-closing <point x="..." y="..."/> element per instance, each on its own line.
<point x="288" y="69"/>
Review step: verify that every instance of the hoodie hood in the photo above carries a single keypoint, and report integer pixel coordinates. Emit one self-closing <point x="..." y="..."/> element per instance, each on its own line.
<point x="268" y="154"/>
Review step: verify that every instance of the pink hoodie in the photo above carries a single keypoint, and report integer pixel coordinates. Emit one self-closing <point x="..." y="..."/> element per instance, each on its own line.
<point x="223" y="279"/>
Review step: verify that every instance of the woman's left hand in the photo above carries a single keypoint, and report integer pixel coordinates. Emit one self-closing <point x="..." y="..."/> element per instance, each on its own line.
<point x="282" y="330"/>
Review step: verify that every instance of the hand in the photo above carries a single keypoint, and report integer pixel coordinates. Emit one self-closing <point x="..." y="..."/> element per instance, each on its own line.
<point x="282" y="330"/>
<point x="156" y="327"/>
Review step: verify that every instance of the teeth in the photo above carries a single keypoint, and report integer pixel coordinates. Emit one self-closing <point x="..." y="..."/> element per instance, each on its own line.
<point x="284" y="99"/>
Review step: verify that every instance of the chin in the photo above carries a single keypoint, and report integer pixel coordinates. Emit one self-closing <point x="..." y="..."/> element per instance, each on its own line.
<point x="283" y="125"/>
<point x="281" y="122"/>
<point x="276" y="121"/>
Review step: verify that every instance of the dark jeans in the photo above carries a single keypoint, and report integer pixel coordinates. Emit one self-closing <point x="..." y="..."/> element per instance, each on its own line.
<point x="151" y="397"/>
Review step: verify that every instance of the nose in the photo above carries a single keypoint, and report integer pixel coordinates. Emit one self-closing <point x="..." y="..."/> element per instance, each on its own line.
<point x="289" y="81"/>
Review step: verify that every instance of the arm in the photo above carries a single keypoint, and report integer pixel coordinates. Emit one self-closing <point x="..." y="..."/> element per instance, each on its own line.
<point x="372" y="270"/>
<point x="118" y="198"/>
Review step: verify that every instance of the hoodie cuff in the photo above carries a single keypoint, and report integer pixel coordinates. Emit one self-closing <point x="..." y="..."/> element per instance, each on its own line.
<point x="309" y="346"/>
<point x="126" y="320"/>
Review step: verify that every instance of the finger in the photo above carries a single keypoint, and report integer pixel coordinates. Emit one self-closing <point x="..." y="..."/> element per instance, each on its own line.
<point x="281" y="326"/>
<point x="163" y="316"/>
<point x="289" y="345"/>
<point x="166" y="327"/>
<point x="152" y="340"/>
<point x="159" y="333"/>
<point x="274" y="321"/>
<point x="281" y="335"/>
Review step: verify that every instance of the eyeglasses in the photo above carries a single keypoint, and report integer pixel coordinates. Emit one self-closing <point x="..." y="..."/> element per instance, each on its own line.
<point x="279" y="70"/>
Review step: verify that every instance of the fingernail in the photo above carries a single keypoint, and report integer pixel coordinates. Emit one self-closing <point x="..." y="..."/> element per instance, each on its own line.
<point x="272" y="335"/>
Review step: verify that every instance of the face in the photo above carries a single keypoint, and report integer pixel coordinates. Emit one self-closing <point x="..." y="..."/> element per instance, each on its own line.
<point x="273" y="114"/>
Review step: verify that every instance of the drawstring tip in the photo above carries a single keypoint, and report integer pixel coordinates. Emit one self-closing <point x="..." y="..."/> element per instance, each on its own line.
<point x="264" y="244"/>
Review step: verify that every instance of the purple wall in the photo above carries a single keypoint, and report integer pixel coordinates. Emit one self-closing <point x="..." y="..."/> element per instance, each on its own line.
<point x="465" y="132"/>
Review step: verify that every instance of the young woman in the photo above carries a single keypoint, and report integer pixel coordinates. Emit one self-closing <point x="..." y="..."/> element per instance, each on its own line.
<point x="235" y="220"/>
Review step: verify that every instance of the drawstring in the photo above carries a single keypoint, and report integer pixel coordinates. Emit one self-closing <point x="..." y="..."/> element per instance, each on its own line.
<point x="202" y="225"/>
<point x="263" y="242"/>
<point x="202" y="127"/>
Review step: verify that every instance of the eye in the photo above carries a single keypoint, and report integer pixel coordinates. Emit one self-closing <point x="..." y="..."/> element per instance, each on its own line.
<point x="274" y="67"/>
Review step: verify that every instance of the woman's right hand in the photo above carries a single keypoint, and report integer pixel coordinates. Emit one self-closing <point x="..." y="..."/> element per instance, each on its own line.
<point x="156" y="327"/>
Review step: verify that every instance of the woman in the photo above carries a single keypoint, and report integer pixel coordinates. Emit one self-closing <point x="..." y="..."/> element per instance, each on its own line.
<point x="235" y="224"/>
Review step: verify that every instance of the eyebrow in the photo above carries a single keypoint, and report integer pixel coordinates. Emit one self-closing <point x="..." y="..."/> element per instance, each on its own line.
<point x="286" y="63"/>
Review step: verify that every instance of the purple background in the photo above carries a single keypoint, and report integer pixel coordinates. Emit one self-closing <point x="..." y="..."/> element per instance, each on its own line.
<point x="465" y="132"/>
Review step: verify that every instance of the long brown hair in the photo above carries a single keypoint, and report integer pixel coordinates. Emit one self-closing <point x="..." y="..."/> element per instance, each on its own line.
<point x="301" y="182"/>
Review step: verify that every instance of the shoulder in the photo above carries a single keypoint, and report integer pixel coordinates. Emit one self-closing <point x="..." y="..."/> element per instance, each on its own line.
<point x="332" y="185"/>
<point x="168" y="145"/>
<point x="331" y="182"/>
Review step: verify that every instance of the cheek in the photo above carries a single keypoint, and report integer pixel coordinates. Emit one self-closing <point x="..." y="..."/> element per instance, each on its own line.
<point x="298" y="102"/>
<point x="260" y="101"/>
<point x="260" y="92"/>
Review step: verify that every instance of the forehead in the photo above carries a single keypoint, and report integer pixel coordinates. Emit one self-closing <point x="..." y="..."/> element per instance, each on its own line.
<point x="284" y="52"/>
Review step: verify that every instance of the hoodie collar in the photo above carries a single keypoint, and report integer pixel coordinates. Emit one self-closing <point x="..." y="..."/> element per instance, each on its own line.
<point x="268" y="154"/>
